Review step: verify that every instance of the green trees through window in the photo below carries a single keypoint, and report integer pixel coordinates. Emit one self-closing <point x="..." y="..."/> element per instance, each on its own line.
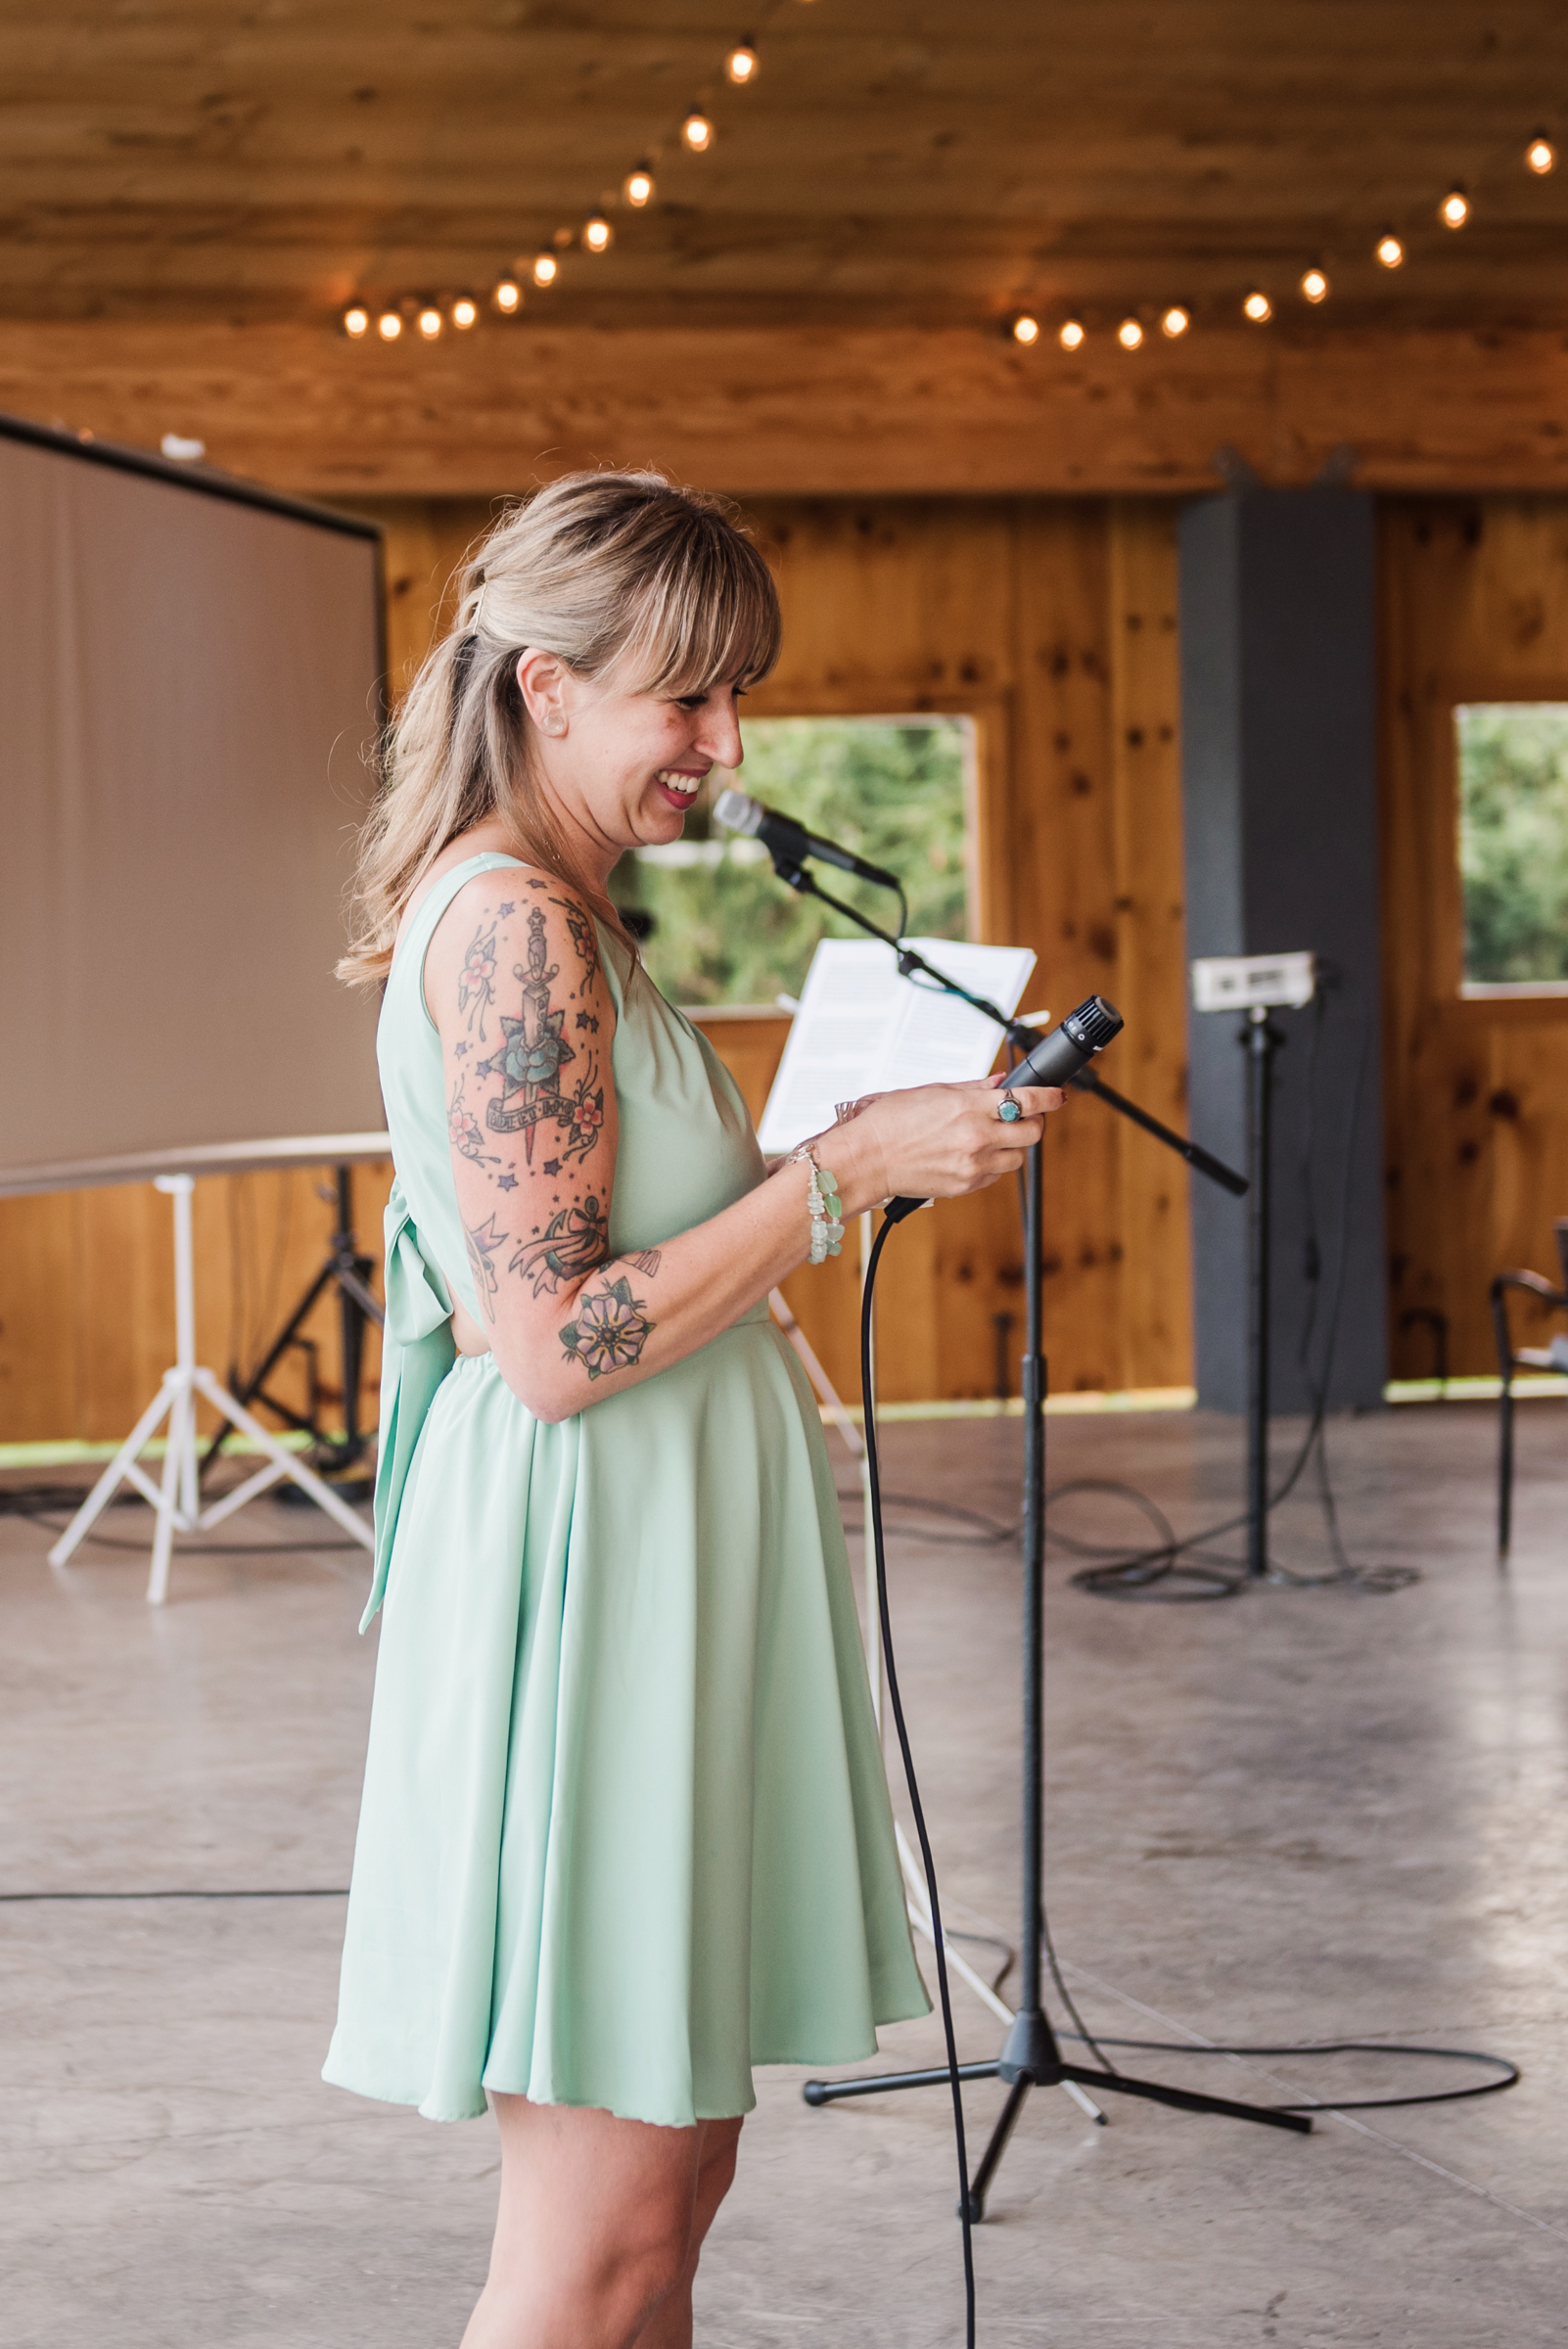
<point x="1513" y="840"/>
<point x="896" y="790"/>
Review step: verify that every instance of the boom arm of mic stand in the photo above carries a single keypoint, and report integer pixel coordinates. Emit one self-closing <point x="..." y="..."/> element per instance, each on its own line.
<point x="1215" y="1168"/>
<point x="1020" y="1033"/>
<point x="798" y="878"/>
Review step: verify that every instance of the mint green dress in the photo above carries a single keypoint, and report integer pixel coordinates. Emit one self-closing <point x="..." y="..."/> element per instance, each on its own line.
<point x="624" y="1829"/>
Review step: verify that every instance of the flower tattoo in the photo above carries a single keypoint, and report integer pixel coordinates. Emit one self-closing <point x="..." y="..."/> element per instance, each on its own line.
<point x="610" y="1331"/>
<point x="475" y="981"/>
<point x="582" y="1115"/>
<point x="465" y="1132"/>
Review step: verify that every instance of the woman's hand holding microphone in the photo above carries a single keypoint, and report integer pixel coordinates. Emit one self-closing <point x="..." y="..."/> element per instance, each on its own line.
<point x="935" y="1141"/>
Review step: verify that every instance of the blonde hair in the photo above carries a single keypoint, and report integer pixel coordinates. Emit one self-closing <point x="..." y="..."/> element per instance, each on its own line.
<point x="608" y="571"/>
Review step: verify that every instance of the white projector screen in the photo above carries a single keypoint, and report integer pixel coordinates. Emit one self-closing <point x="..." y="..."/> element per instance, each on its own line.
<point x="189" y="676"/>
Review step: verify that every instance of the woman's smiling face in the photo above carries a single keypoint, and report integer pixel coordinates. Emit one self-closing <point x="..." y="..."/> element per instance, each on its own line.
<point x="623" y="767"/>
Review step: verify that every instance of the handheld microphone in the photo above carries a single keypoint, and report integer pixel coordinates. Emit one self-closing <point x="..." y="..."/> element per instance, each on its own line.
<point x="790" y="842"/>
<point x="1055" y="1060"/>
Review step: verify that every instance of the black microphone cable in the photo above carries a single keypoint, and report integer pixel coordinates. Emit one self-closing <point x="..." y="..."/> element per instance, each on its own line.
<point x="896" y="1701"/>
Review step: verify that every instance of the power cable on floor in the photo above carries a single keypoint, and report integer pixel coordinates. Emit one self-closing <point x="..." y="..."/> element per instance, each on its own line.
<point x="1300" y="2051"/>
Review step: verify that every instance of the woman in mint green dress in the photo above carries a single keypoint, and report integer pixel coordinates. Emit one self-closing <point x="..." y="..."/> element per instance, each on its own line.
<point x="625" y="1831"/>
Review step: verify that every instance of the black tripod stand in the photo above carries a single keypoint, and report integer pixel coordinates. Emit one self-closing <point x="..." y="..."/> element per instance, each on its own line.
<point x="1031" y="2057"/>
<point x="349" y="1271"/>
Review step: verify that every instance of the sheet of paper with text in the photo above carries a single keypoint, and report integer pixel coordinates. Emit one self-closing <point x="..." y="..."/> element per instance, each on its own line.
<point x="864" y="1028"/>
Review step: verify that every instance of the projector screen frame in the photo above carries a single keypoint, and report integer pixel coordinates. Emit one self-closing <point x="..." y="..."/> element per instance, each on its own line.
<point x="208" y="480"/>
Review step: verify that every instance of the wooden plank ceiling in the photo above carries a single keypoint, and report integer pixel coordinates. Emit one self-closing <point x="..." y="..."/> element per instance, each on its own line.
<point x="897" y="171"/>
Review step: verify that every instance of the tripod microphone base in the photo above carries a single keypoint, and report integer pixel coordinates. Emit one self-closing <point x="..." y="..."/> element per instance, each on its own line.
<point x="1030" y="2051"/>
<point x="1031" y="2060"/>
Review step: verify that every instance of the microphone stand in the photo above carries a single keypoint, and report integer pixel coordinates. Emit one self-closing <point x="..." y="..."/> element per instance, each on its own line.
<point x="1031" y="2057"/>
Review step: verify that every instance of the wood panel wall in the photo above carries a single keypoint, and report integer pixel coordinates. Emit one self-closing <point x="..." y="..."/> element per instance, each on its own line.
<point x="1053" y="624"/>
<point x="87" y="1295"/>
<point x="1474" y="598"/>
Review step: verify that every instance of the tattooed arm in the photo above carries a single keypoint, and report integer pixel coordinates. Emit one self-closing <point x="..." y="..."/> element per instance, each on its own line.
<point x="514" y="982"/>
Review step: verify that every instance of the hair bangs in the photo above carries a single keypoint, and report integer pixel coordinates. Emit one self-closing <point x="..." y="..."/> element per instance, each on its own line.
<point x="708" y="616"/>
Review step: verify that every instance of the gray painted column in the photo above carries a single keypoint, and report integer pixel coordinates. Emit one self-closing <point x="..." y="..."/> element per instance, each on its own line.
<point x="1279" y="786"/>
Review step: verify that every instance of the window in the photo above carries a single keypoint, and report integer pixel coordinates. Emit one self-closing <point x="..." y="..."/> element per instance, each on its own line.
<point x="896" y="790"/>
<point x="1513" y="844"/>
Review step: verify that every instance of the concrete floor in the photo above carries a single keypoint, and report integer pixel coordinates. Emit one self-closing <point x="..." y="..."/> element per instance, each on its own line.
<point x="1299" y="1814"/>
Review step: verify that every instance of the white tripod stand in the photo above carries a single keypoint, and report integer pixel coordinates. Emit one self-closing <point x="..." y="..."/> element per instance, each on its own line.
<point x="176" y="1498"/>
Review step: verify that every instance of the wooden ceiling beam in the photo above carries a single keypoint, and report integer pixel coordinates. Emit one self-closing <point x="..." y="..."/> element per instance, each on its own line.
<point x="827" y="411"/>
<point x="898" y="163"/>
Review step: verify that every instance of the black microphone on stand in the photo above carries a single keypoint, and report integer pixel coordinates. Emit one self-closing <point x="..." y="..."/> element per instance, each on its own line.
<point x="1055" y="1060"/>
<point x="790" y="842"/>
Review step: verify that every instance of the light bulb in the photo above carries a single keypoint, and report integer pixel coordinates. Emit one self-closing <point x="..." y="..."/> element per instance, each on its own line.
<point x="1026" y="330"/>
<point x="1454" y="209"/>
<point x="546" y="269"/>
<point x="1129" y="334"/>
<point x="357" y="321"/>
<point x="465" y="313"/>
<point x="1175" y="321"/>
<point x="431" y="323"/>
<point x="1390" y="251"/>
<point x="1540" y="156"/>
<point x="1070" y="334"/>
<point x="638" y="188"/>
<point x="741" y="63"/>
<point x="507" y="297"/>
<point x="1257" y="307"/>
<point x="1314" y="286"/>
<point x="698" y="133"/>
<point x="598" y="236"/>
<point x="389" y="326"/>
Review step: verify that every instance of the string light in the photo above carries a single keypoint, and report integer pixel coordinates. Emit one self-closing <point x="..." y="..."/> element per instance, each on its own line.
<point x="1257" y="307"/>
<point x="507" y="295"/>
<point x="389" y="326"/>
<point x="638" y="187"/>
<point x="1540" y="156"/>
<point x="1390" y="251"/>
<point x="357" y="321"/>
<point x="1314" y="286"/>
<point x="741" y="64"/>
<point x="1026" y="330"/>
<point x="1129" y="334"/>
<point x="431" y="323"/>
<point x="1454" y="209"/>
<point x="1070" y="334"/>
<point x="698" y="132"/>
<point x="465" y="313"/>
<point x="598" y="236"/>
<point x="1175" y="321"/>
<point x="546" y="268"/>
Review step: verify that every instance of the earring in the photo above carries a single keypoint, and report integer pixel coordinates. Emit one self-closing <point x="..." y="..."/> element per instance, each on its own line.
<point x="555" y="723"/>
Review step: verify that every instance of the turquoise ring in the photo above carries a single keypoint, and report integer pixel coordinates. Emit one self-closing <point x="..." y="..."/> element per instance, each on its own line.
<point x="1009" y="1112"/>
